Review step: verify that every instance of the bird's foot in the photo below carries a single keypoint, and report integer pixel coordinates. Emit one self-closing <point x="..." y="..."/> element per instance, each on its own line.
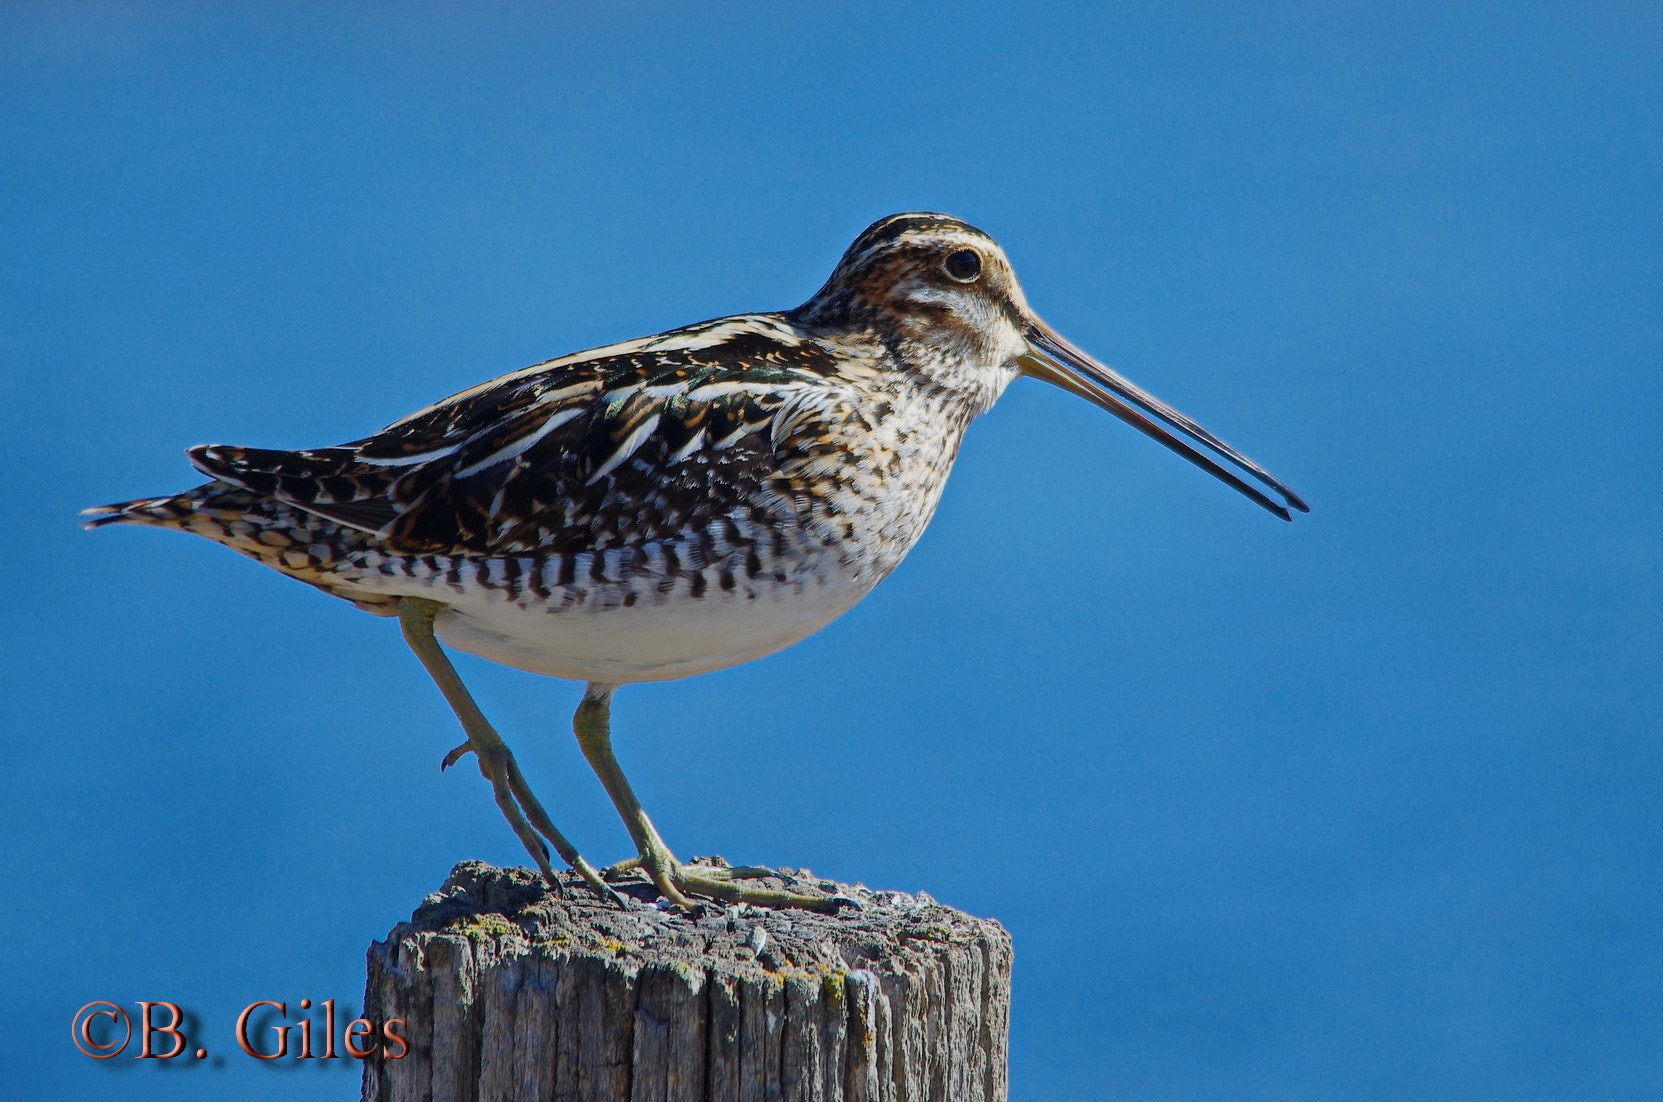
<point x="526" y="815"/>
<point x="713" y="878"/>
<point x="676" y="882"/>
<point x="514" y="797"/>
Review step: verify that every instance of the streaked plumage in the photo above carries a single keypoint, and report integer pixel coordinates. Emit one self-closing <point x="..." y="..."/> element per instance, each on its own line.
<point x="678" y="503"/>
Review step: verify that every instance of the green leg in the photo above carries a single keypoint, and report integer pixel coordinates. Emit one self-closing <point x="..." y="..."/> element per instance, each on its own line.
<point x="496" y="762"/>
<point x="675" y="881"/>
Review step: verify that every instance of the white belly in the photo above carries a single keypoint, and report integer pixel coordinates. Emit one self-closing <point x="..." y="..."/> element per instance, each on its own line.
<point x="617" y="646"/>
<point x="592" y="634"/>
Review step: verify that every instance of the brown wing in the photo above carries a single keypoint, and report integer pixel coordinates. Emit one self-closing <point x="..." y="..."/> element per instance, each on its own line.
<point x="634" y="442"/>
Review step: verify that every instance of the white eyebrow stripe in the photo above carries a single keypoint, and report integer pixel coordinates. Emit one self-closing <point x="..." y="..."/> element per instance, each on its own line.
<point x="517" y="447"/>
<point x="626" y="449"/>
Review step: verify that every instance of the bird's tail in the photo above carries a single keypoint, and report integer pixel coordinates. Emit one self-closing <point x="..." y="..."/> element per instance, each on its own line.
<point x="215" y="510"/>
<point x="287" y="539"/>
<point x="227" y="514"/>
<point x="167" y="512"/>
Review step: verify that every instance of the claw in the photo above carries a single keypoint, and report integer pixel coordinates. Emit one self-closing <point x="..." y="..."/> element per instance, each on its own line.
<point x="455" y="756"/>
<point x="720" y="885"/>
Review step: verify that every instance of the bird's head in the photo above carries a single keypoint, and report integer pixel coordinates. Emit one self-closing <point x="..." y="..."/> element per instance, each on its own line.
<point x="938" y="288"/>
<point x="942" y="294"/>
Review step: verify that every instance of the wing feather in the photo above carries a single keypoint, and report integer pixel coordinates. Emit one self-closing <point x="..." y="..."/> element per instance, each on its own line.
<point x="625" y="444"/>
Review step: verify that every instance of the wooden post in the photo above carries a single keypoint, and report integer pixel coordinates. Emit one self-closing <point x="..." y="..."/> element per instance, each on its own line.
<point x="513" y="993"/>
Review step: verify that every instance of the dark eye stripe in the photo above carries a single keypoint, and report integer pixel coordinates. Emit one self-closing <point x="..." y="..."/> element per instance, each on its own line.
<point x="964" y="265"/>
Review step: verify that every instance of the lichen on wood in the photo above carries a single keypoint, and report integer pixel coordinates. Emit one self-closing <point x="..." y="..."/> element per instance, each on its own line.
<point x="512" y="991"/>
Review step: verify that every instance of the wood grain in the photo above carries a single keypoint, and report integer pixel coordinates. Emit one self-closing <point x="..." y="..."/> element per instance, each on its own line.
<point x="516" y="993"/>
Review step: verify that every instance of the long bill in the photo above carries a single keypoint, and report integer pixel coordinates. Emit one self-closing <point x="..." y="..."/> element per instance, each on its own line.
<point x="1057" y="361"/>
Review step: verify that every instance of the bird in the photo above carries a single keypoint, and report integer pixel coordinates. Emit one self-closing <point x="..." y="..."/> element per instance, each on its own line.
<point x="670" y="505"/>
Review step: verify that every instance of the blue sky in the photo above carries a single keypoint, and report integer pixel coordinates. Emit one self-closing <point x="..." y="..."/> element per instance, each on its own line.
<point x="1369" y="806"/>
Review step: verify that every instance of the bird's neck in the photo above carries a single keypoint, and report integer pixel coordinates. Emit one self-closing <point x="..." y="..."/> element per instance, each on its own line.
<point x="948" y="368"/>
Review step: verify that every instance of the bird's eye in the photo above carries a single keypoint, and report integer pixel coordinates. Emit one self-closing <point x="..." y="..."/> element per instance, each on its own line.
<point x="964" y="265"/>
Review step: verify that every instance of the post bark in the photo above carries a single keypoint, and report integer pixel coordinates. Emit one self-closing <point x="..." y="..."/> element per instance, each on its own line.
<point x="513" y="993"/>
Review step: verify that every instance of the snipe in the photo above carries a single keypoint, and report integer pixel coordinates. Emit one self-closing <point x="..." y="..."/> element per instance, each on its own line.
<point x="669" y="505"/>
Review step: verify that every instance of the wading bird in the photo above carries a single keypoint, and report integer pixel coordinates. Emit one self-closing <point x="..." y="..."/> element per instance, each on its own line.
<point x="670" y="505"/>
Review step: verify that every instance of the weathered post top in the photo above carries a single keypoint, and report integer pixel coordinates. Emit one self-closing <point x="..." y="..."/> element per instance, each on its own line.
<point x="514" y="992"/>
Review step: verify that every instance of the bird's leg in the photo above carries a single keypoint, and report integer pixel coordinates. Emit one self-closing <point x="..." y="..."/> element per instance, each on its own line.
<point x="496" y="761"/>
<point x="674" y="880"/>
